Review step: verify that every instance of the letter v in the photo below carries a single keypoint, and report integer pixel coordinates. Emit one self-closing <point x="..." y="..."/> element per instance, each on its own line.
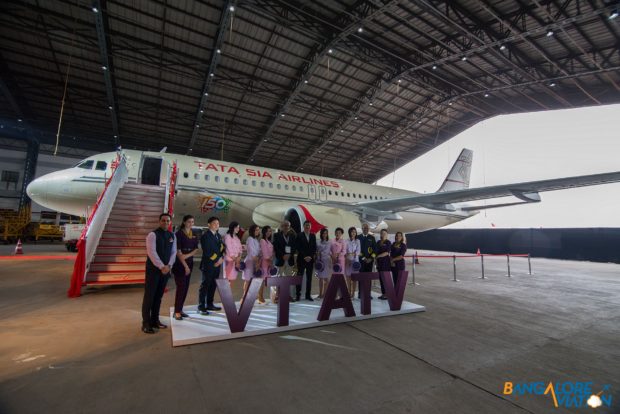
<point x="396" y="293"/>
<point x="238" y="320"/>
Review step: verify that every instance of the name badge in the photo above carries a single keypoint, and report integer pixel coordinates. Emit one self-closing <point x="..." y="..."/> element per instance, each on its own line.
<point x="287" y="249"/>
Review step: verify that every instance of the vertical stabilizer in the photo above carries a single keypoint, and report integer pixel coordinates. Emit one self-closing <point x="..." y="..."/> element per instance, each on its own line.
<point x="458" y="177"/>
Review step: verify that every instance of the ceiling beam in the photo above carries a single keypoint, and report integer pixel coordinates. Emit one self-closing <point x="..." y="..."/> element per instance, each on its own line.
<point x="107" y="65"/>
<point x="228" y="9"/>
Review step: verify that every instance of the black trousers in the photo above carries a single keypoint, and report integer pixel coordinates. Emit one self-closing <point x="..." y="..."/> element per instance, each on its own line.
<point x="395" y="272"/>
<point x="208" y="286"/>
<point x="154" y="286"/>
<point x="308" y="269"/>
<point x="366" y="268"/>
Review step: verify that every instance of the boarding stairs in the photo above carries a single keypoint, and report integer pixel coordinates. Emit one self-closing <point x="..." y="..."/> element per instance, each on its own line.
<point x="120" y="257"/>
<point x="112" y="247"/>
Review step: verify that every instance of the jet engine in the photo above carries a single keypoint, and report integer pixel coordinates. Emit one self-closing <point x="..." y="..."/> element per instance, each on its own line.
<point x="272" y="213"/>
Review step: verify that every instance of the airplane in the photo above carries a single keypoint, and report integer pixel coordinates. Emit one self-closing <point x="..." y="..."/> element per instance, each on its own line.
<point x="265" y="196"/>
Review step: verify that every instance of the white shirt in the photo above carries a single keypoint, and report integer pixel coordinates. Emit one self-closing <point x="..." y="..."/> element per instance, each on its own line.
<point x="151" y="250"/>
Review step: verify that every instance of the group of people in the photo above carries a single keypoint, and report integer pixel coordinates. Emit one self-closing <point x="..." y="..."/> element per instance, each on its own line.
<point x="284" y="253"/>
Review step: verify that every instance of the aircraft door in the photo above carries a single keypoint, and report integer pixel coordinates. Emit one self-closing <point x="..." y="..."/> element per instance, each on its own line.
<point x="151" y="171"/>
<point x="322" y="194"/>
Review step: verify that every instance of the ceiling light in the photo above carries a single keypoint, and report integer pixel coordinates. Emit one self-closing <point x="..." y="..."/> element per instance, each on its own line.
<point x="206" y="94"/>
<point x="356" y="118"/>
<point x="360" y="30"/>
<point x="211" y="74"/>
<point x="613" y="14"/>
<point x="282" y="115"/>
<point x="342" y="130"/>
<point x="419" y="122"/>
<point x="197" y="126"/>
<point x="219" y="51"/>
<point x="104" y="67"/>
<point x="306" y="81"/>
<point x="115" y="136"/>
<point x="96" y="10"/>
<point x="202" y="111"/>
<point x="110" y="107"/>
<point x="502" y="47"/>
<point x="400" y="81"/>
<point x="549" y="33"/>
<point x="486" y="95"/>
<point x="450" y="103"/>
<point x="464" y="58"/>
<point x="330" y="51"/>
<point x="19" y="120"/>
<point x="370" y="103"/>
<point x="231" y="8"/>
<point x="552" y="84"/>
<point x="434" y="67"/>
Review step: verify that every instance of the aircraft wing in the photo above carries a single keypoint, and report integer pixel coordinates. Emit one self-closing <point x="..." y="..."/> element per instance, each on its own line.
<point x="527" y="192"/>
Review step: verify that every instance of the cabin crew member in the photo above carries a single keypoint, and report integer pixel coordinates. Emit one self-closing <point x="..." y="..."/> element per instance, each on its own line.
<point x="187" y="247"/>
<point x="306" y="252"/>
<point x="324" y="256"/>
<point x="266" y="253"/>
<point x="352" y="256"/>
<point x="397" y="255"/>
<point x="284" y="249"/>
<point x="338" y="249"/>
<point x="232" y="257"/>
<point x="161" y="247"/>
<point x="383" y="258"/>
<point x="211" y="265"/>
<point x="252" y="259"/>
<point x="367" y="249"/>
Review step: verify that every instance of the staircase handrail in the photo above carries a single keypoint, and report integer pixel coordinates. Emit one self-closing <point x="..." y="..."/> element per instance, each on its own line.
<point x="170" y="189"/>
<point x="91" y="234"/>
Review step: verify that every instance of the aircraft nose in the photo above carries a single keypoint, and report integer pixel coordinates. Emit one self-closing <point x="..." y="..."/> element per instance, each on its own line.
<point x="37" y="190"/>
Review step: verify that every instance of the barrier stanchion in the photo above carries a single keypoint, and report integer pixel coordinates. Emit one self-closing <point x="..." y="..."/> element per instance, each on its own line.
<point x="508" y="264"/>
<point x="413" y="282"/>
<point x="454" y="266"/>
<point x="529" y="264"/>
<point x="482" y="266"/>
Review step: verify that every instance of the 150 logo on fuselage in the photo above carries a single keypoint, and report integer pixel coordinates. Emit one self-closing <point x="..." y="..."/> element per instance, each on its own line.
<point x="214" y="203"/>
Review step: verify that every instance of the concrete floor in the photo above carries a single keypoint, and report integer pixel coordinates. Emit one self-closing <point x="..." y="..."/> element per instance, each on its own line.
<point x="87" y="355"/>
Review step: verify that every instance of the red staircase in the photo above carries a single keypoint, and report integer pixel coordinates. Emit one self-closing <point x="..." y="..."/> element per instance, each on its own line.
<point x="120" y="257"/>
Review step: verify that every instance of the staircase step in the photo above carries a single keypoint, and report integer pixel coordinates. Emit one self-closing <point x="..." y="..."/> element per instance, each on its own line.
<point x="119" y="258"/>
<point x="141" y="210"/>
<point x="117" y="267"/>
<point x="122" y="243"/>
<point x="115" y="277"/>
<point x="129" y="228"/>
<point x="138" y="203"/>
<point x="124" y="235"/>
<point x="132" y="250"/>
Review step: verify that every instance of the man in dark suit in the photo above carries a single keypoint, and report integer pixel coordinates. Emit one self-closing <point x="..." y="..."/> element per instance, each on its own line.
<point x="306" y="253"/>
<point x="161" y="248"/>
<point x="284" y="250"/>
<point x="211" y="264"/>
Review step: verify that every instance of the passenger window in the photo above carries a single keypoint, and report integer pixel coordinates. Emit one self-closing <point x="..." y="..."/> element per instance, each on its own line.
<point x="101" y="166"/>
<point x="312" y="189"/>
<point x="348" y="194"/>
<point x="286" y="186"/>
<point x="185" y="175"/>
<point x="270" y="185"/>
<point x="87" y="164"/>
<point x="206" y="177"/>
<point x="245" y="182"/>
<point x="301" y="188"/>
<point x="262" y="184"/>
<point x="365" y="196"/>
<point x="253" y="183"/>
<point x="353" y="195"/>
<point x="196" y="176"/>
<point x="294" y="188"/>
<point x="217" y="178"/>
<point x="236" y="181"/>
<point x="226" y="179"/>
<point x="278" y="186"/>
<point x="330" y="192"/>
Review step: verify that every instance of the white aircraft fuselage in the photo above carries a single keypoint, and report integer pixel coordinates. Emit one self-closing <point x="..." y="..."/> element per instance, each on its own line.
<point x="237" y="192"/>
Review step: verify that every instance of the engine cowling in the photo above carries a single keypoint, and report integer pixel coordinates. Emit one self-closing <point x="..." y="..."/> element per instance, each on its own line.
<point x="272" y="213"/>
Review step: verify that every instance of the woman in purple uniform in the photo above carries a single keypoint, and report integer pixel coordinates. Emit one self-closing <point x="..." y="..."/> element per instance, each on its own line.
<point x="383" y="258"/>
<point x="397" y="255"/>
<point x="187" y="247"/>
<point x="323" y="252"/>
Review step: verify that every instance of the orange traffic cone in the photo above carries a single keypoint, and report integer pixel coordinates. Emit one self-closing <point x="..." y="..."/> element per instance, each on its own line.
<point x="18" y="248"/>
<point x="478" y="252"/>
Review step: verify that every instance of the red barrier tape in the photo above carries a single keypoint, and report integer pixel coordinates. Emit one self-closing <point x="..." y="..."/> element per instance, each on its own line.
<point x="465" y="256"/>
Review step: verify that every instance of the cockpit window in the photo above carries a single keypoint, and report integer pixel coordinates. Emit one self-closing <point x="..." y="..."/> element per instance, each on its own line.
<point x="86" y="164"/>
<point x="101" y="166"/>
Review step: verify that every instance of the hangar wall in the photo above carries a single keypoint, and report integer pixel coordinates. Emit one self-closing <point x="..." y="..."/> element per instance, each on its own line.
<point x="592" y="244"/>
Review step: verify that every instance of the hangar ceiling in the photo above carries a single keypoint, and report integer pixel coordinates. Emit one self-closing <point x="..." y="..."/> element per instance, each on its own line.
<point x="340" y="88"/>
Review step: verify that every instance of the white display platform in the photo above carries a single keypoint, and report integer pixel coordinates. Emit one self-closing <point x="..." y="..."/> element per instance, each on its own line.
<point x="214" y="327"/>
